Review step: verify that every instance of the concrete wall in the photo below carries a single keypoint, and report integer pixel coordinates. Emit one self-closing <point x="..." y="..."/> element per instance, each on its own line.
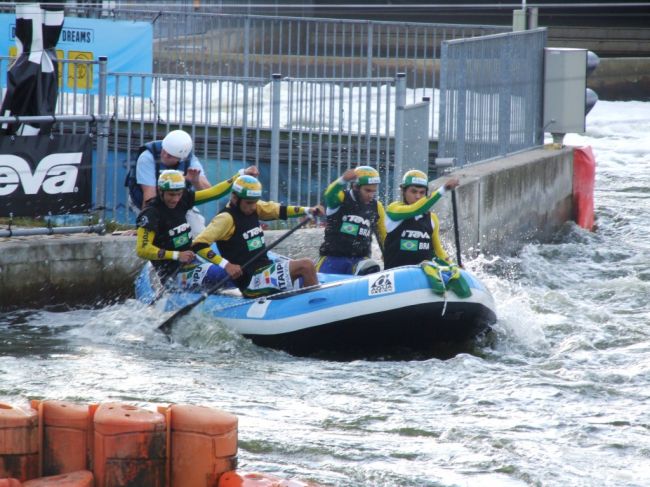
<point x="507" y="203"/>
<point x="70" y="269"/>
<point x="501" y="205"/>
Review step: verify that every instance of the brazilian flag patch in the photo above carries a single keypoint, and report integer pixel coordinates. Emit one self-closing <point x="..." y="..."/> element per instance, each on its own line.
<point x="254" y="243"/>
<point x="350" y="228"/>
<point x="180" y="240"/>
<point x="408" y="245"/>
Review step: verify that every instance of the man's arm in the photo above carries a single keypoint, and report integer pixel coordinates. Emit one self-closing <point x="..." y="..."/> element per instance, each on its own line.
<point x="437" y="244"/>
<point x="221" y="189"/>
<point x="270" y="210"/>
<point x="398" y="210"/>
<point x="147" y="250"/>
<point x="145" y="175"/>
<point x="222" y="227"/>
<point x="215" y="192"/>
<point x="334" y="195"/>
<point x="381" y="224"/>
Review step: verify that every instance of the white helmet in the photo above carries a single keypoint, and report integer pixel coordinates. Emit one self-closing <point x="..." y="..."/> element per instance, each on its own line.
<point x="177" y="143"/>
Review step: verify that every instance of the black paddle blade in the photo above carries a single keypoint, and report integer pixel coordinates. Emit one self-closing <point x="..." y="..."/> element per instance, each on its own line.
<point x="166" y="326"/>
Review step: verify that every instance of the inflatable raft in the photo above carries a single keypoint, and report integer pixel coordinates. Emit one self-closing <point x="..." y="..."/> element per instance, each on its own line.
<point x="387" y="313"/>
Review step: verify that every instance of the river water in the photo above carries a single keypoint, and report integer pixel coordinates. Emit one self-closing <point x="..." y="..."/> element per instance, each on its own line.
<point x="562" y="397"/>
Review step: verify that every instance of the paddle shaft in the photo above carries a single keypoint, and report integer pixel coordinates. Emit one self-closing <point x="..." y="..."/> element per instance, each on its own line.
<point x="166" y="326"/>
<point x="454" y="208"/>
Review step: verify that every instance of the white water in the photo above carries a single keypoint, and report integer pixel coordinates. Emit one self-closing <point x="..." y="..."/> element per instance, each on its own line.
<point x="560" y="399"/>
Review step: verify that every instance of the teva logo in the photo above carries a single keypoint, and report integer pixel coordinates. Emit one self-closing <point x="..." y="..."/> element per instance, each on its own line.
<point x="56" y="173"/>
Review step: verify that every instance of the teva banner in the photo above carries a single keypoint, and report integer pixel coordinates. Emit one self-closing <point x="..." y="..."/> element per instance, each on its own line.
<point x="128" y="46"/>
<point x="43" y="174"/>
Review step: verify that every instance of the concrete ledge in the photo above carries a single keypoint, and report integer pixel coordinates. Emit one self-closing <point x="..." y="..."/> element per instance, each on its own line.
<point x="509" y="202"/>
<point x="69" y="269"/>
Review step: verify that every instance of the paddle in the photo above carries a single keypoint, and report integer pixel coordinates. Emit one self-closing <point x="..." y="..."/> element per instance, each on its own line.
<point x="456" y="230"/>
<point x="166" y="326"/>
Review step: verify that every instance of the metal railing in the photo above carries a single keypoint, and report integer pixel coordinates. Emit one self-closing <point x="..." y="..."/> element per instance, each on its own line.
<point x="305" y="130"/>
<point x="187" y="42"/>
<point x="302" y="132"/>
<point x="490" y="95"/>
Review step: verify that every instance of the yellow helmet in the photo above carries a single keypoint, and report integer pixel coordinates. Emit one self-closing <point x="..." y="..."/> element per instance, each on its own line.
<point x="414" y="177"/>
<point x="247" y="188"/>
<point x="367" y="175"/>
<point x="171" y="180"/>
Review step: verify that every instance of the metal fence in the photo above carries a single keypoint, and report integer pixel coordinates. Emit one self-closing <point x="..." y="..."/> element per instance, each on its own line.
<point x="303" y="131"/>
<point x="255" y="46"/>
<point x="490" y="95"/>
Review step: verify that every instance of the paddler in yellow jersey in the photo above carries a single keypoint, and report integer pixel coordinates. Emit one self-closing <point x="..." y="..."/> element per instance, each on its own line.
<point x="412" y="229"/>
<point x="163" y="232"/>
<point x="239" y="236"/>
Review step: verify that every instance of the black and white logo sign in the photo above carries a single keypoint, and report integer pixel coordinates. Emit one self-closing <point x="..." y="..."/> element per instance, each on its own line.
<point x="42" y="174"/>
<point x="383" y="283"/>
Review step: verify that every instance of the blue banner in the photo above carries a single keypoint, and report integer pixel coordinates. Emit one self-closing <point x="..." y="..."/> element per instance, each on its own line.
<point x="128" y="46"/>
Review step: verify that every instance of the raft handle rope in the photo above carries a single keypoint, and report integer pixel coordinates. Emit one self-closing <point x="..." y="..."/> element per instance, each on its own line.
<point x="444" y="293"/>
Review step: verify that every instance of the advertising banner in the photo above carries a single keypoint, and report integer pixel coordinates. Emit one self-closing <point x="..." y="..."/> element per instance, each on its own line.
<point x="128" y="46"/>
<point x="43" y="174"/>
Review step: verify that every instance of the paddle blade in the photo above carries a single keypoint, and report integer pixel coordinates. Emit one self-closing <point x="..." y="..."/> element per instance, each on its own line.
<point x="166" y="326"/>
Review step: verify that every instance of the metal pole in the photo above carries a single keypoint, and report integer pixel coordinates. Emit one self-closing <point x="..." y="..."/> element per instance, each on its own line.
<point x="275" y="136"/>
<point x="26" y="232"/>
<point x="102" y="141"/>
<point x="400" y="103"/>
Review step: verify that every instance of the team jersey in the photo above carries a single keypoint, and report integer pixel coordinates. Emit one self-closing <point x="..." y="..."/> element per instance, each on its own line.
<point x="350" y="223"/>
<point x="412" y="232"/>
<point x="163" y="231"/>
<point x="240" y="237"/>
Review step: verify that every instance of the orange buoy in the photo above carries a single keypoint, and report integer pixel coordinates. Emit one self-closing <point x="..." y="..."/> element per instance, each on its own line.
<point x="10" y="483"/>
<point x="129" y="447"/>
<point x="584" y="179"/>
<point x="18" y="442"/>
<point x="82" y="478"/>
<point x="65" y="437"/>
<point x="203" y="445"/>
<point x="255" y="479"/>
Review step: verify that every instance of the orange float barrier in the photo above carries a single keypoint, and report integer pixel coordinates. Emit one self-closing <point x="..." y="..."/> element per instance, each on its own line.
<point x="203" y="445"/>
<point x="129" y="447"/>
<point x="65" y="446"/>
<point x="82" y="478"/>
<point x="18" y="442"/>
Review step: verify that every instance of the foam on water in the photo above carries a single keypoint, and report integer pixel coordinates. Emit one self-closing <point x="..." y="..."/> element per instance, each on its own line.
<point x="560" y="398"/>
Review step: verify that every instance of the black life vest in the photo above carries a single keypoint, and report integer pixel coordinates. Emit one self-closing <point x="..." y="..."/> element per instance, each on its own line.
<point x="172" y="232"/>
<point x="348" y="232"/>
<point x="410" y="243"/>
<point x="246" y="241"/>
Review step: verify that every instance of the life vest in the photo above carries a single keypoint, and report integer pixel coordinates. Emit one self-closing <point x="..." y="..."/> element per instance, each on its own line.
<point x="155" y="147"/>
<point x="410" y="243"/>
<point x="348" y="232"/>
<point x="172" y="232"/>
<point x="246" y="241"/>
